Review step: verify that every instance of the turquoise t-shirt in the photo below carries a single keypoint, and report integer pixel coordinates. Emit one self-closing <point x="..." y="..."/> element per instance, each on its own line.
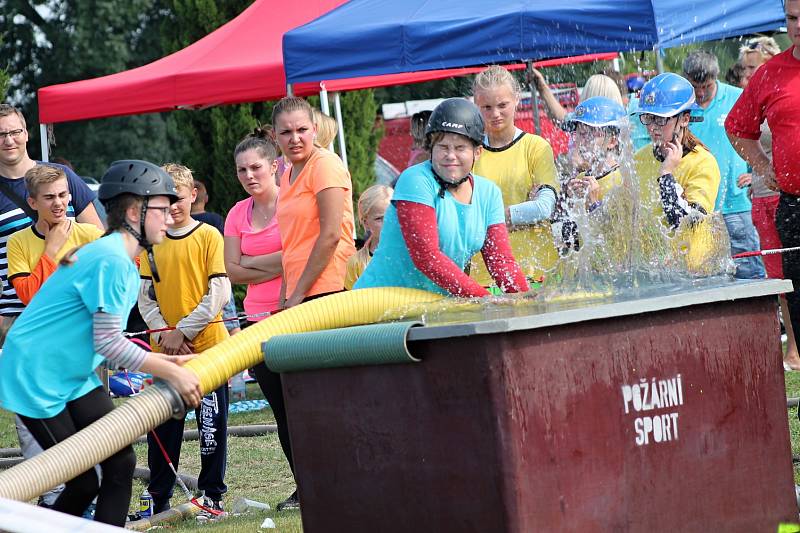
<point x="711" y="131"/>
<point x="462" y="229"/>
<point x="639" y="135"/>
<point x="48" y="358"/>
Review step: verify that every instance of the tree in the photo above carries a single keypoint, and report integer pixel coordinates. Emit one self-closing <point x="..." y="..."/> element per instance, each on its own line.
<point x="362" y="138"/>
<point x="210" y="134"/>
<point x="56" y="41"/>
<point x="4" y="82"/>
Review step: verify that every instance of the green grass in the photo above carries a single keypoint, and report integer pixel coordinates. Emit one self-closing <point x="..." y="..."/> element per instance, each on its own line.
<point x="793" y="391"/>
<point x="257" y="470"/>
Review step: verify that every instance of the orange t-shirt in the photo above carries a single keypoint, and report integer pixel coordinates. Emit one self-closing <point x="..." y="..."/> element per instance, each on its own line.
<point x="298" y="221"/>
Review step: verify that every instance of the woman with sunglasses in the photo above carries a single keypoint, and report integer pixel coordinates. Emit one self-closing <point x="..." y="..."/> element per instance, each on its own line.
<point x="678" y="176"/>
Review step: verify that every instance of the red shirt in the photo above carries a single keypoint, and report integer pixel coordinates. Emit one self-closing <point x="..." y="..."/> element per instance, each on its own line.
<point x="773" y="94"/>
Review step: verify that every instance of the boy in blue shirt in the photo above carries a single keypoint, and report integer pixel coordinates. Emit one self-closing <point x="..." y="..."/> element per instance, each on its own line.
<point x="715" y="100"/>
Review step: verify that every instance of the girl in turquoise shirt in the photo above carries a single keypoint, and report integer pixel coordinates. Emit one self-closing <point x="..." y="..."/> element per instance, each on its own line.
<point x="441" y="215"/>
<point x="74" y="323"/>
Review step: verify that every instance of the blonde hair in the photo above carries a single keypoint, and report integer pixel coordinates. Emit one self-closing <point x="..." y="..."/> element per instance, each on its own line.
<point x="180" y="174"/>
<point x="601" y="85"/>
<point x="369" y="200"/>
<point x="327" y="128"/>
<point x="495" y="76"/>
<point x="42" y="175"/>
<point x="766" y="46"/>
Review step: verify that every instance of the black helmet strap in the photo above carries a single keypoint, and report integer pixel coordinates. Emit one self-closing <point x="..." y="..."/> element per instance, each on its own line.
<point x="141" y="238"/>
<point x="443" y="183"/>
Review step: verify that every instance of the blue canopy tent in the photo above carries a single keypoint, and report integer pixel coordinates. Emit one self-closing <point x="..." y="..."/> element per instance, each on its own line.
<point x="375" y="37"/>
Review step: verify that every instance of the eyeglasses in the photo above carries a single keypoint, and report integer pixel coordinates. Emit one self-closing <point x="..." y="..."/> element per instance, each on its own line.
<point x="164" y="210"/>
<point x="646" y="119"/>
<point x="14" y="134"/>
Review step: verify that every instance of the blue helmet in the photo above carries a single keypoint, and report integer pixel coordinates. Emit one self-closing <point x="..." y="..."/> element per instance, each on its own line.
<point x="666" y="95"/>
<point x="598" y="112"/>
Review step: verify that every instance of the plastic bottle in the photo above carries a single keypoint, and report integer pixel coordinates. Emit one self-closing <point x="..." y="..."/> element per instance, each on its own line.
<point x="145" y="504"/>
<point x="238" y="389"/>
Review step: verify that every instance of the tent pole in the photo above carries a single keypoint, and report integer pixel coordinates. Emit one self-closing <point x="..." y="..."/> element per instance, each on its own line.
<point x="289" y="90"/>
<point x="337" y="105"/>
<point x="45" y="143"/>
<point x="659" y="60"/>
<point x="537" y="127"/>
<point x="324" y="105"/>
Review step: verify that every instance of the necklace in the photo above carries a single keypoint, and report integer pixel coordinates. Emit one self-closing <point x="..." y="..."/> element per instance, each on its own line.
<point x="264" y="214"/>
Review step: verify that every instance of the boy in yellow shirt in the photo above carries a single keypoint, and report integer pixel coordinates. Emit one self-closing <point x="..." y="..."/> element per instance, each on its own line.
<point x="188" y="293"/>
<point x="34" y="252"/>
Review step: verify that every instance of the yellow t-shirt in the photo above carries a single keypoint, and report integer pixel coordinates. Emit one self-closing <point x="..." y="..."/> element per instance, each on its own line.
<point x="698" y="174"/>
<point x="185" y="264"/>
<point x="26" y="246"/>
<point x="607" y="182"/>
<point x="519" y="168"/>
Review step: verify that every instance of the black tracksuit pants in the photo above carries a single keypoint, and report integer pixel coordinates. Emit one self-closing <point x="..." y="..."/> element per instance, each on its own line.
<point x="114" y="493"/>
<point x="212" y="424"/>
<point x="787" y="221"/>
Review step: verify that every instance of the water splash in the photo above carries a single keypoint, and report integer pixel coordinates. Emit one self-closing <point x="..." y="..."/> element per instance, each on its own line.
<point x="626" y="245"/>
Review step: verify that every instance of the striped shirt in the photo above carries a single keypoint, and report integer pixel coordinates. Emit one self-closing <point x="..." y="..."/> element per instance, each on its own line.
<point x="13" y="219"/>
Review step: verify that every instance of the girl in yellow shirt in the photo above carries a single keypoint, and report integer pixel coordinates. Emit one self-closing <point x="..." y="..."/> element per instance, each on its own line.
<point x="595" y="127"/>
<point x="522" y="165"/>
<point x="678" y="176"/>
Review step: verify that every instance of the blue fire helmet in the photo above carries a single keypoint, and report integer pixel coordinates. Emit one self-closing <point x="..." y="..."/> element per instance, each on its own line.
<point x="598" y="112"/>
<point x="666" y="95"/>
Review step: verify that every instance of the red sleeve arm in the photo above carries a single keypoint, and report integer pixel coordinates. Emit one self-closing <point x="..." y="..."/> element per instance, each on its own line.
<point x="27" y="285"/>
<point x="500" y="260"/>
<point x="746" y="116"/>
<point x="420" y="231"/>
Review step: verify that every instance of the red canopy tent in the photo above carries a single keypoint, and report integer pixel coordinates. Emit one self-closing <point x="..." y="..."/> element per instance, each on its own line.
<point x="239" y="62"/>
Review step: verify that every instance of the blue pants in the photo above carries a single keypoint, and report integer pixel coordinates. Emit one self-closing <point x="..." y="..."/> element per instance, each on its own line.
<point x="744" y="238"/>
<point x="212" y="423"/>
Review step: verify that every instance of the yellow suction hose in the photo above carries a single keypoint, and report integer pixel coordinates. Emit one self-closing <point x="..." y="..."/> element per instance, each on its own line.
<point x="157" y="404"/>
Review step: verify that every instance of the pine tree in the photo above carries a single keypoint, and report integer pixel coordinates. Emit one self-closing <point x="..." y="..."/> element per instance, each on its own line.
<point x="361" y="137"/>
<point x="4" y="82"/>
<point x="211" y="134"/>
